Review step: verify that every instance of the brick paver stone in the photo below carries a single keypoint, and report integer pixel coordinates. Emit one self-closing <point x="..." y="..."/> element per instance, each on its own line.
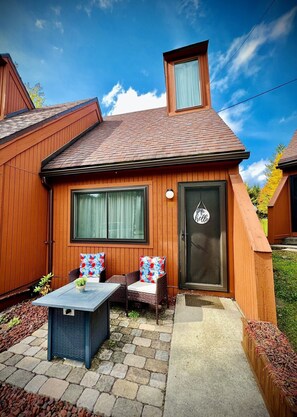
<point x="119" y="370"/>
<point x="58" y="370"/>
<point x="134" y="360"/>
<point x="28" y="340"/>
<point x="19" y="348"/>
<point x="105" y="354"/>
<point x="40" y="333"/>
<point x="150" y="335"/>
<point x="104" y="404"/>
<point x="72" y="393"/>
<point x="5" y="355"/>
<point x="118" y="357"/>
<point x="136" y="332"/>
<point x="2" y="366"/>
<point x="72" y="362"/>
<point x="145" y="326"/>
<point x="162" y="355"/>
<point x="6" y="372"/>
<point x="37" y="341"/>
<point x="126" y="408"/>
<point x="105" y="383"/>
<point x="145" y="351"/>
<point x="150" y="411"/>
<point x="36" y="383"/>
<point x="20" y="378"/>
<point x="126" y="389"/>
<point x="90" y="379"/>
<point x="154" y="365"/>
<point x="142" y="341"/>
<point x="54" y="388"/>
<point x="159" y="345"/>
<point x="42" y="367"/>
<point x="158" y="380"/>
<point x="165" y="337"/>
<point x="76" y="375"/>
<point x="13" y="360"/>
<point x="42" y="354"/>
<point x="116" y="336"/>
<point x="28" y="363"/>
<point x="140" y="376"/>
<point x="150" y="395"/>
<point x="105" y="367"/>
<point x="88" y="398"/>
<point x="129" y="348"/>
<point x="124" y="323"/>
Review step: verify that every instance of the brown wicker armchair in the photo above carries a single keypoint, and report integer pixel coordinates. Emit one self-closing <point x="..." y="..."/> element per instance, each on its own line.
<point x="89" y="266"/>
<point x="141" y="290"/>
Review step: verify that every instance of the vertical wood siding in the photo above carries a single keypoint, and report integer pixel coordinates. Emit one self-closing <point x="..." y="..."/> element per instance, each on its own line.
<point x="253" y="273"/>
<point x="163" y="221"/>
<point x="23" y="206"/>
<point x="279" y="213"/>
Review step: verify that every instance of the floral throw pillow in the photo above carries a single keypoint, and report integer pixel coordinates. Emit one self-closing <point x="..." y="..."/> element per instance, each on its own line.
<point x="91" y="264"/>
<point x="151" y="268"/>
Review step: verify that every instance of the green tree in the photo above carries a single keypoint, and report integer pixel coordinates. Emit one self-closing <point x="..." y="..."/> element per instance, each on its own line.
<point x="253" y="191"/>
<point x="273" y="177"/>
<point x="36" y="94"/>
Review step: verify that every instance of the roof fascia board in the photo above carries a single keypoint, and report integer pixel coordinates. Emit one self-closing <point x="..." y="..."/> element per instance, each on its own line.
<point x="154" y="163"/>
<point x="287" y="164"/>
<point x="50" y="119"/>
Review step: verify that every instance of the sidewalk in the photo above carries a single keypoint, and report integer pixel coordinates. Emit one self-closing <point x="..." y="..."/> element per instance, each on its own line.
<point x="208" y="371"/>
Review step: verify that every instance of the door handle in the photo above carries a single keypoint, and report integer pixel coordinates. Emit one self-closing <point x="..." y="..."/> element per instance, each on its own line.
<point x="183" y="236"/>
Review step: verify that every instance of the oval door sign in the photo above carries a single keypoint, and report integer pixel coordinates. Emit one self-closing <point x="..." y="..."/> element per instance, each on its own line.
<point x="201" y="214"/>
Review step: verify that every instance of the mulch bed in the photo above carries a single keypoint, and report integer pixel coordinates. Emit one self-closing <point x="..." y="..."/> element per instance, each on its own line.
<point x="15" y="401"/>
<point x="31" y="318"/>
<point x="282" y="358"/>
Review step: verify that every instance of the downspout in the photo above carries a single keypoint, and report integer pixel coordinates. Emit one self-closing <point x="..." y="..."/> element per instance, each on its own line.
<point x="49" y="241"/>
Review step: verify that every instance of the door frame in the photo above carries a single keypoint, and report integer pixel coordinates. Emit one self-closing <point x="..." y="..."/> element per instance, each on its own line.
<point x="182" y="247"/>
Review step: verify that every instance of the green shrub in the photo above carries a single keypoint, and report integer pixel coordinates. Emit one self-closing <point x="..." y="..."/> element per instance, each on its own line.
<point x="44" y="285"/>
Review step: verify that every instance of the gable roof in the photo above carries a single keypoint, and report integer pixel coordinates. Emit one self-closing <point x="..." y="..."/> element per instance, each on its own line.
<point x="21" y="123"/>
<point x="148" y="138"/>
<point x="289" y="157"/>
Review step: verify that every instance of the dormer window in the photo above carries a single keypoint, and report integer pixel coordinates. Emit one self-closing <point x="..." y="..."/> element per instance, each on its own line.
<point x="187" y="78"/>
<point x="187" y="84"/>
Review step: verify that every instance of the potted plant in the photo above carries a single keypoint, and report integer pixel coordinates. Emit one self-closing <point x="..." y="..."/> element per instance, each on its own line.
<point x="80" y="283"/>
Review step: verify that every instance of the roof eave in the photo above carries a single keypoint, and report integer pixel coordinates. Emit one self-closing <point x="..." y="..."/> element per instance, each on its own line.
<point x="288" y="164"/>
<point x="152" y="163"/>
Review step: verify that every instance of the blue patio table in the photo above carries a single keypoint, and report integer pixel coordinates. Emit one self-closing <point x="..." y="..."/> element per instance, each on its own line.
<point x="78" y="322"/>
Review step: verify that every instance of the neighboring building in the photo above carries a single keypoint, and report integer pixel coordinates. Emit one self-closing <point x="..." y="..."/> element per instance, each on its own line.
<point x="282" y="209"/>
<point x="111" y="189"/>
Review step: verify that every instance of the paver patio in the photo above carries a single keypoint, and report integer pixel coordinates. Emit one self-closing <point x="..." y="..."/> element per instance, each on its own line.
<point x="128" y="373"/>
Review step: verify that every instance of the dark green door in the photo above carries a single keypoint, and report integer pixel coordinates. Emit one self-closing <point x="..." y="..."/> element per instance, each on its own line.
<point x="202" y="236"/>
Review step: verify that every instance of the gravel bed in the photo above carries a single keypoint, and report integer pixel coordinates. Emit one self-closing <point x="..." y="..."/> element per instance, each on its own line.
<point x="15" y="401"/>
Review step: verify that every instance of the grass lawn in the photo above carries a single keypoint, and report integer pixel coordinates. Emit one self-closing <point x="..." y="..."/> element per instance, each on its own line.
<point x="285" y="283"/>
<point x="264" y="224"/>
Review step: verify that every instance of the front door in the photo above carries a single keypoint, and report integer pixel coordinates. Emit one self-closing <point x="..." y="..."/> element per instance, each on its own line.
<point x="202" y="236"/>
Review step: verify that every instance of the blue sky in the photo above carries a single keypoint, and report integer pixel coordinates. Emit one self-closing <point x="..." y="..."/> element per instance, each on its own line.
<point x="112" y="49"/>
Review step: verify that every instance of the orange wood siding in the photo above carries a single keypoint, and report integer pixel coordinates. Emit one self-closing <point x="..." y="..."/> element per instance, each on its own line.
<point x="163" y="221"/>
<point x="279" y="213"/>
<point x="253" y="272"/>
<point x="23" y="203"/>
<point x="13" y="94"/>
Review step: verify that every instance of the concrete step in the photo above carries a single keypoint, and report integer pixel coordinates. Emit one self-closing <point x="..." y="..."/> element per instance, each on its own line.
<point x="290" y="241"/>
<point x="290" y="248"/>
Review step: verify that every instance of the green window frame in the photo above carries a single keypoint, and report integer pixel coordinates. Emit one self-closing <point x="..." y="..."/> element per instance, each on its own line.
<point x="109" y="215"/>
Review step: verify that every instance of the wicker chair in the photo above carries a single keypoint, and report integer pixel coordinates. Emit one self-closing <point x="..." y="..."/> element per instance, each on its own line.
<point x="151" y="289"/>
<point x="92" y="266"/>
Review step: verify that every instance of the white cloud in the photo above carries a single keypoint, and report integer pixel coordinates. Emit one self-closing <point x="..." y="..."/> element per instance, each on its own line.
<point x="289" y="118"/>
<point x="235" y="117"/>
<point x="100" y="4"/>
<point x="40" y="24"/>
<point x="56" y="10"/>
<point x="57" y="49"/>
<point x="189" y="9"/>
<point x="126" y="101"/>
<point x="242" y="53"/>
<point x="254" y="174"/>
<point x="59" y="26"/>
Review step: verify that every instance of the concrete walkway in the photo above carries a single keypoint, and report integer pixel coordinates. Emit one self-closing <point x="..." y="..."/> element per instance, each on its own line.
<point x="208" y="371"/>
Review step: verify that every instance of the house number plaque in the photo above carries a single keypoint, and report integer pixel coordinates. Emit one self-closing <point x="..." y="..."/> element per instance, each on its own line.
<point x="201" y="214"/>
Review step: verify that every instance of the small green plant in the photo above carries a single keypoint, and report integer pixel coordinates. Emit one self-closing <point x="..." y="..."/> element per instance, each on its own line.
<point x="112" y="343"/>
<point x="44" y="285"/>
<point x="133" y="314"/>
<point x="3" y="319"/>
<point x="80" y="282"/>
<point x="13" y="322"/>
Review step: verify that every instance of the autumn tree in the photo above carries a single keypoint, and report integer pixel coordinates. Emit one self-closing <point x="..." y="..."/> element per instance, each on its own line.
<point x="36" y="94"/>
<point x="273" y="177"/>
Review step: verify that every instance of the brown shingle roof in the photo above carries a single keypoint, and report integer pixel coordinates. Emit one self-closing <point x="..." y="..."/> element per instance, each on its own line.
<point x="149" y="135"/>
<point x="13" y="126"/>
<point x="290" y="153"/>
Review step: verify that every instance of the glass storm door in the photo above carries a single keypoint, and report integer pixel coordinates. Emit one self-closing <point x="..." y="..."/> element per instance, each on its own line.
<point x="202" y="236"/>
